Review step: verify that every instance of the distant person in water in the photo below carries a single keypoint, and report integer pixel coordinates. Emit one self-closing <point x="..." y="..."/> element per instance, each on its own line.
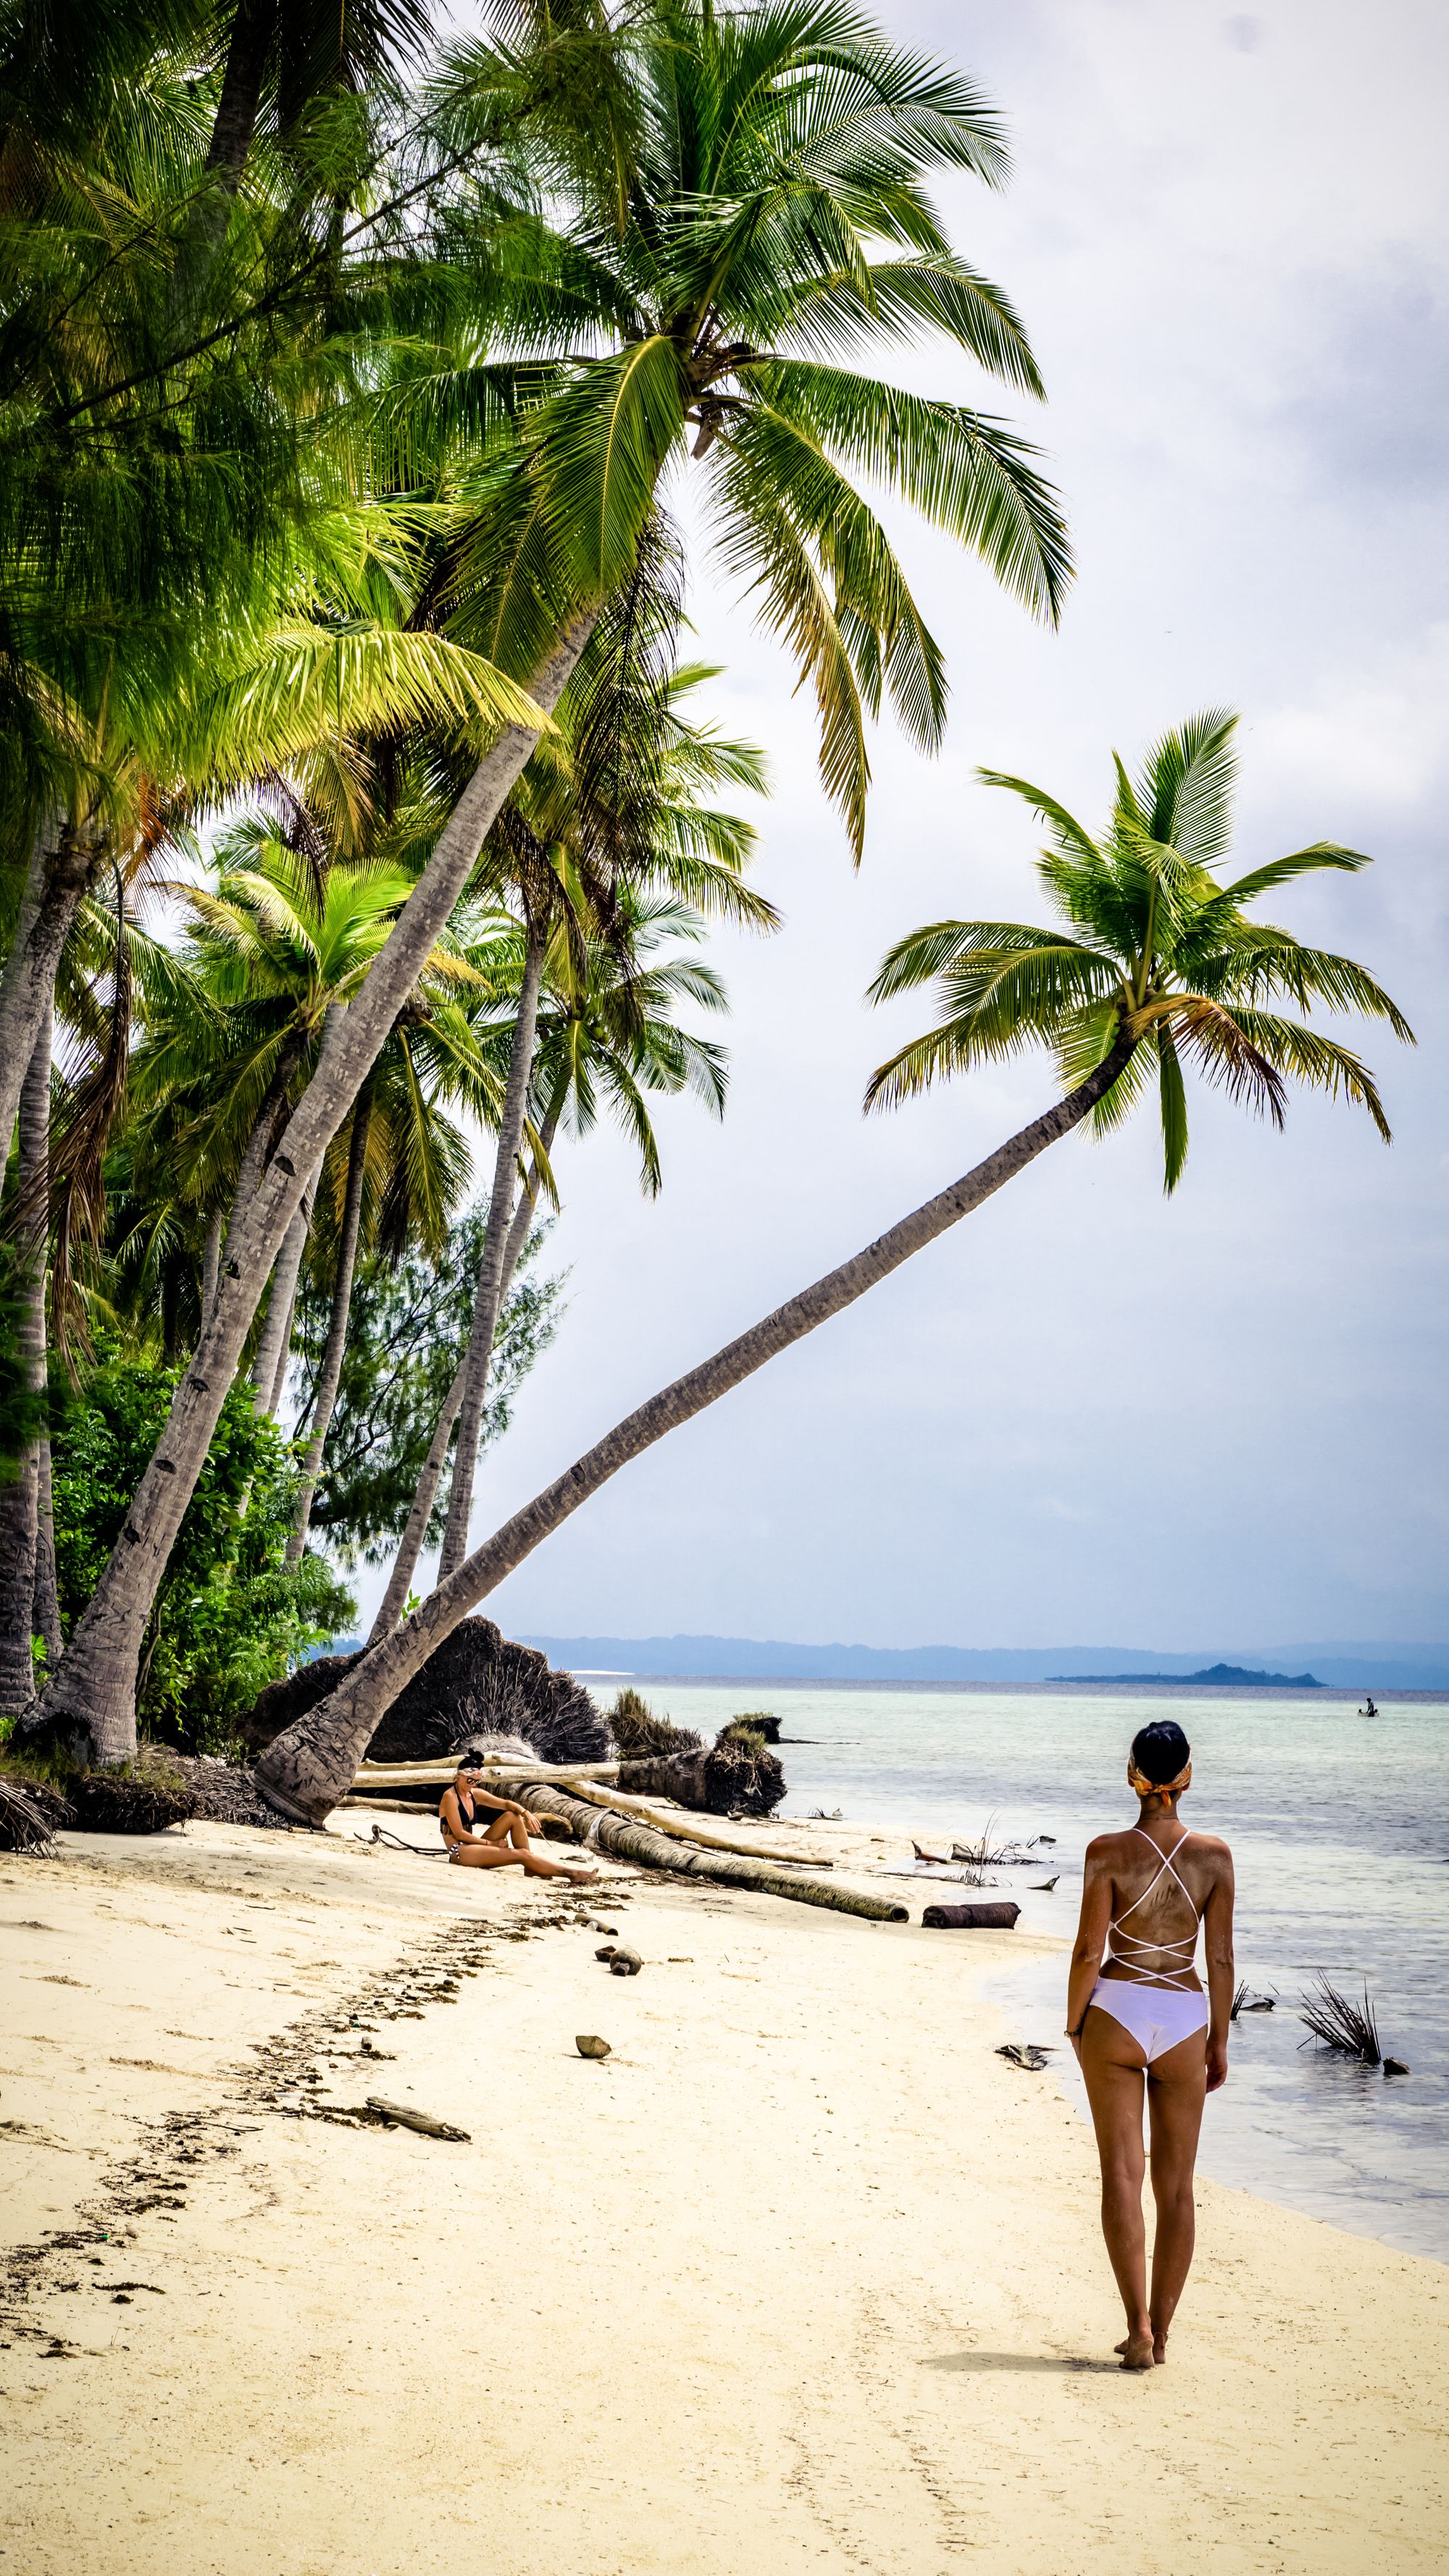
<point x="504" y="1838"/>
<point x="1370" y="1711"/>
<point x="1140" y="2023"/>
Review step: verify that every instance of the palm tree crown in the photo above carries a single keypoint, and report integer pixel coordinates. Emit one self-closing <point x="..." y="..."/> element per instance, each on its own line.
<point x="770" y="229"/>
<point x="1155" y="950"/>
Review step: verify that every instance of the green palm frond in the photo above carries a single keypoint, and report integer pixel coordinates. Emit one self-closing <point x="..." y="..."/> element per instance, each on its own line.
<point x="1168" y="956"/>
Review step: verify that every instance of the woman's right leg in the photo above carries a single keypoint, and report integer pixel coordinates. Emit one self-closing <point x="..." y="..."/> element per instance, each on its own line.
<point x="1176" y="2088"/>
<point x="490" y="1855"/>
<point x="1113" y="2067"/>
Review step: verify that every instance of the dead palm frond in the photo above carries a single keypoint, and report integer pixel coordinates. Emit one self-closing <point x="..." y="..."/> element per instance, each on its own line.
<point x="1349" y="2029"/>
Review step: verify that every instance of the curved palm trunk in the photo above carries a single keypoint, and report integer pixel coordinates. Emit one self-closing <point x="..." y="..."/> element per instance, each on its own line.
<point x="312" y="1764"/>
<point x="394" y="1600"/>
<point x="20" y="1494"/>
<point x="331" y="1374"/>
<point x="92" y="1696"/>
<point x="270" y="1366"/>
<point x="488" y="1297"/>
<point x="54" y="884"/>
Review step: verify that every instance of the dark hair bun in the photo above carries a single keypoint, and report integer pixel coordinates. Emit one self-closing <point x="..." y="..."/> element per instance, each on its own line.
<point x="1160" y="1751"/>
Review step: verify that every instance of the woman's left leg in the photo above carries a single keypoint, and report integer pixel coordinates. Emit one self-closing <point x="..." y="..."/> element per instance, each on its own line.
<point x="1176" y="2086"/>
<point x="1113" y="2066"/>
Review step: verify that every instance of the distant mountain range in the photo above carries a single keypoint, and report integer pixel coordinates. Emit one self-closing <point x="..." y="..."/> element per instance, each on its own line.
<point x="1337" y="1664"/>
<point x="1236" y="1676"/>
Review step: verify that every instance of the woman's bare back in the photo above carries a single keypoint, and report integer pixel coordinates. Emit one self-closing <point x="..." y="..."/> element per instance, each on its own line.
<point x="1157" y="1918"/>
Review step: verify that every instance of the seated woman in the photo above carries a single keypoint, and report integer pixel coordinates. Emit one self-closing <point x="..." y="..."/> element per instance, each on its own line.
<point x="504" y="1839"/>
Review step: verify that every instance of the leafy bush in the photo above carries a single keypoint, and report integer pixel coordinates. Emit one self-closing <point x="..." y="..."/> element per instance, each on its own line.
<point x="230" y="1616"/>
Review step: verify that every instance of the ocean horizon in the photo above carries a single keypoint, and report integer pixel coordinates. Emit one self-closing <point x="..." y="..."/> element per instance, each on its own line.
<point x="1344" y="1664"/>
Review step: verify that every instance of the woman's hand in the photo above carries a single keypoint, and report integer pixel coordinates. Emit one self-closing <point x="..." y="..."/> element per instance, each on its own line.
<point x="1217" y="2064"/>
<point x="1075" y="2037"/>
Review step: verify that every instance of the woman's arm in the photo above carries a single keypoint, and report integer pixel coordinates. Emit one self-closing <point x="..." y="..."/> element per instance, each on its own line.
<point x="1091" y="1941"/>
<point x="1218" y="1949"/>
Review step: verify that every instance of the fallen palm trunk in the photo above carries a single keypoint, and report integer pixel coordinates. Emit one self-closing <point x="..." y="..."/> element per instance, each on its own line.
<point x="718" y="1778"/>
<point x="615" y="1799"/>
<point x="420" y="1775"/>
<point x="623" y="1839"/>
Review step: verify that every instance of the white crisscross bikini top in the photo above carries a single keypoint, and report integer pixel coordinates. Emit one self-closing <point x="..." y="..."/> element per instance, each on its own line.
<point x="1176" y="1976"/>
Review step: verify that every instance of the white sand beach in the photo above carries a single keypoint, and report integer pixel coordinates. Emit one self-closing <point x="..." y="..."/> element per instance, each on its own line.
<point x="803" y="2277"/>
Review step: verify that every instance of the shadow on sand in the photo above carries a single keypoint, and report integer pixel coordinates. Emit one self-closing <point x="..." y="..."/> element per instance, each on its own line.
<point x="1012" y="2361"/>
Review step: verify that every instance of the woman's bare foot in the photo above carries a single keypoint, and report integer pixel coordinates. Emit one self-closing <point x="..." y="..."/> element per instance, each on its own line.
<point x="1159" y="2346"/>
<point x="579" y="1877"/>
<point x="1137" y="2353"/>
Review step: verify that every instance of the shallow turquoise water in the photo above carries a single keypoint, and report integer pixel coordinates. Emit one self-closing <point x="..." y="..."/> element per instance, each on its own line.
<point x="1340" y="1829"/>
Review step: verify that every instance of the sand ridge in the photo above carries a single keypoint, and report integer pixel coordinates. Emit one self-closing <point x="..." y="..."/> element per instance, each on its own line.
<point x="803" y="2276"/>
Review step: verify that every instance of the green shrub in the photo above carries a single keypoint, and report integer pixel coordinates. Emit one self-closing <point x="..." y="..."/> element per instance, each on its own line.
<point x="230" y="1616"/>
<point x="640" y="1735"/>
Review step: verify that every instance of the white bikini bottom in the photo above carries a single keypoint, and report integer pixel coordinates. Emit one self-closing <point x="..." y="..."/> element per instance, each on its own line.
<point x="1158" y="2017"/>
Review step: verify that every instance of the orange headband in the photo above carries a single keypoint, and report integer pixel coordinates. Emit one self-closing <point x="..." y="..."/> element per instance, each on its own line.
<point x="1146" y="1788"/>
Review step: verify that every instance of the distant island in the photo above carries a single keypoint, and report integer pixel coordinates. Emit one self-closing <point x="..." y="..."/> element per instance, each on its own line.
<point x="1235" y="1674"/>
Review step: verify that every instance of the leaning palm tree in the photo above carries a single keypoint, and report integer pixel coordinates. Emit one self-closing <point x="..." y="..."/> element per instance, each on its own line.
<point x="772" y="220"/>
<point x="1157" y="959"/>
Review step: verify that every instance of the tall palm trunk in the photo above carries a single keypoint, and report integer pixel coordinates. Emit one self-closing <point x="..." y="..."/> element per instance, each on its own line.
<point x="488" y="1297"/>
<point x="241" y="91"/>
<point x="210" y="1262"/>
<point x="20" y="1494"/>
<point x="55" y="881"/>
<point x="270" y="1366"/>
<point x="92" y="1697"/>
<point x="394" y="1600"/>
<point x="47" y="1596"/>
<point x="311" y="1765"/>
<point x="331" y="1371"/>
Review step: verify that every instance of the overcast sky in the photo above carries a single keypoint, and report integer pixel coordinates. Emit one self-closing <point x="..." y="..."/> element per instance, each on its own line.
<point x="1090" y="1414"/>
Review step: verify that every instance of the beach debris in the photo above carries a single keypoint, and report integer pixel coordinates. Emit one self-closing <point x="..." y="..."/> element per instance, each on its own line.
<point x="986" y="1854"/>
<point x="1395" y="2065"/>
<point x="1349" y="2029"/>
<point x="620" y="1959"/>
<point x="937" y="1859"/>
<point x="1046" y="1838"/>
<point x="1245" y="2001"/>
<point x="1043" y="1886"/>
<point x="999" y="1915"/>
<point x="1025" y="2052"/>
<point x="25" y="1824"/>
<point x="406" y="2117"/>
<point x="737" y="1775"/>
<point x="622" y="1838"/>
<point x="589" y="2044"/>
<point x="125" y="1802"/>
<point x="826" y="1816"/>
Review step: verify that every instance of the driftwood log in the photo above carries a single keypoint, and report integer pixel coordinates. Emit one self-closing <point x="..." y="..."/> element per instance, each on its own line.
<point x="994" y="1916"/>
<point x="624" y="1839"/>
<point x="424" y="2124"/>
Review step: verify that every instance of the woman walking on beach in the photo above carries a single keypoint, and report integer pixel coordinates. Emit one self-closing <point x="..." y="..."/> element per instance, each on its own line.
<point x="1138" y="2019"/>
